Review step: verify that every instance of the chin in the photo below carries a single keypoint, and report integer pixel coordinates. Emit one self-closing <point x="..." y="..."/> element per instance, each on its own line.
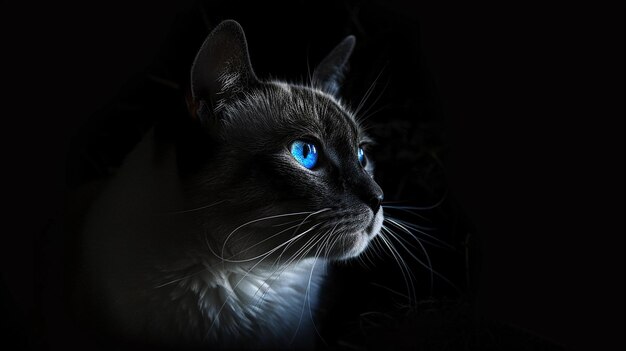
<point x="355" y="243"/>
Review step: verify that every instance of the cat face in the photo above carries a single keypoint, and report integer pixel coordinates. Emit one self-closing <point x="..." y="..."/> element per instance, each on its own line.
<point x="281" y="167"/>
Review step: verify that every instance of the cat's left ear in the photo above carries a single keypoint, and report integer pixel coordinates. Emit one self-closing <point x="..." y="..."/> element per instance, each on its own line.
<point x="329" y="74"/>
<point x="222" y="67"/>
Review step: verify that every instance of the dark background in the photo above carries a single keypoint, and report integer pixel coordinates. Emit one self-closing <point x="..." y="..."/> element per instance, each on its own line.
<point x="512" y="113"/>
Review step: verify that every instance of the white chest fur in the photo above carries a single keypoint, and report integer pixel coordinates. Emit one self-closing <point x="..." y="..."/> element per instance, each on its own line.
<point x="271" y="306"/>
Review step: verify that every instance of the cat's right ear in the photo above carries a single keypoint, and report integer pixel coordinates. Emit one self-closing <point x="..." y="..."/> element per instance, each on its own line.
<point x="221" y="69"/>
<point x="329" y="74"/>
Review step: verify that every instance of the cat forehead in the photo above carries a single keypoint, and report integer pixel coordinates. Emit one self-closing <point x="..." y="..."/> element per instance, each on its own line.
<point x="299" y="107"/>
<point x="328" y="114"/>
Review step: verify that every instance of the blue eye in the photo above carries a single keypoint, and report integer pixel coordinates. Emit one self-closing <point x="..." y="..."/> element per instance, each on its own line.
<point x="305" y="153"/>
<point x="362" y="159"/>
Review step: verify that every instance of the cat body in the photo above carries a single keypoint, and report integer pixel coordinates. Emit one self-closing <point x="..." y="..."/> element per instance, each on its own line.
<point x="217" y="230"/>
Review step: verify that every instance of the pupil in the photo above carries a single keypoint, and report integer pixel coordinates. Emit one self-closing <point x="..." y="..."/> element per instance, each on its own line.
<point x="306" y="150"/>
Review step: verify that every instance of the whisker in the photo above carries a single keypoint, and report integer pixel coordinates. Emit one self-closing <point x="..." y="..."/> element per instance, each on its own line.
<point x="306" y="300"/>
<point x="230" y="295"/>
<point x="286" y="247"/>
<point x="247" y="273"/>
<point x="297" y="226"/>
<point x="409" y="211"/>
<point x="364" y="118"/>
<point x="368" y="92"/>
<point x="275" y="276"/>
<point x="327" y="241"/>
<point x="366" y="114"/>
<point x="195" y="209"/>
<point x="406" y="272"/>
<point x="274" y="249"/>
<point x="286" y="223"/>
<point x="180" y="279"/>
<point x="390" y="289"/>
<point x="299" y="254"/>
<point x="428" y="265"/>
<point x="335" y="239"/>
<point x="402" y="225"/>
<point x="259" y="220"/>
<point x="308" y="295"/>
<point x="435" y="205"/>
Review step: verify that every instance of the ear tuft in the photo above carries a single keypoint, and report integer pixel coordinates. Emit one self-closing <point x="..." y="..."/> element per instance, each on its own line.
<point x="222" y="66"/>
<point x="329" y="74"/>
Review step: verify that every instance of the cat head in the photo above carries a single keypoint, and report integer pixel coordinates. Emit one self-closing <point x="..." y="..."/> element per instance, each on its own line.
<point x="276" y="169"/>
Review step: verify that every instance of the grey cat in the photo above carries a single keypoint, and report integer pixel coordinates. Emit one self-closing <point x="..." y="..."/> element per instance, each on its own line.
<point x="218" y="230"/>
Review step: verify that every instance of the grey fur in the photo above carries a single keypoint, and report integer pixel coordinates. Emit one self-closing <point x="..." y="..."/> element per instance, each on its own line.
<point x="225" y="239"/>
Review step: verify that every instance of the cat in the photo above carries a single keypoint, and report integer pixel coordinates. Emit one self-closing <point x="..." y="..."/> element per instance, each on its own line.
<point x="217" y="229"/>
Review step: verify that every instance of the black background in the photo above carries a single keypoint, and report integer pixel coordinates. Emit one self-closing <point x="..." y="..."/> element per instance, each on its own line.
<point x="530" y="96"/>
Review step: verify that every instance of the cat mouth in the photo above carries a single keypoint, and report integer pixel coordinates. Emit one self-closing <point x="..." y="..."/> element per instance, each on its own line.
<point x="375" y="225"/>
<point x="353" y="241"/>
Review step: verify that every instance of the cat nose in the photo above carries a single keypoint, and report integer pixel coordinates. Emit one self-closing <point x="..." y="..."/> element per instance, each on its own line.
<point x="368" y="191"/>
<point x="374" y="202"/>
